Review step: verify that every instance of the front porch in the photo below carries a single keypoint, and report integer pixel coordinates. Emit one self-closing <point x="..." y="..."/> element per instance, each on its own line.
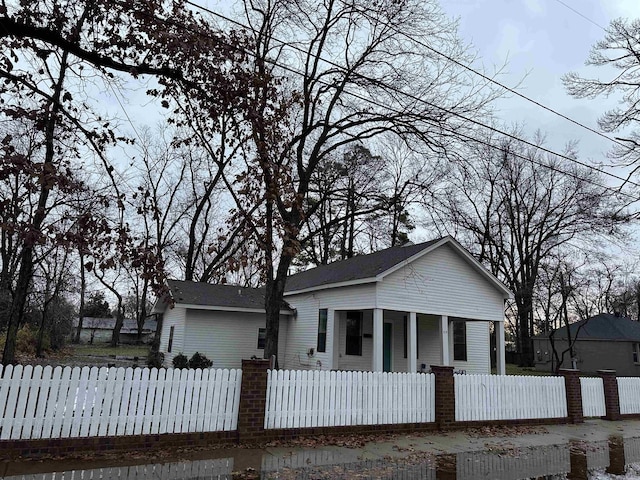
<point x="382" y="340"/>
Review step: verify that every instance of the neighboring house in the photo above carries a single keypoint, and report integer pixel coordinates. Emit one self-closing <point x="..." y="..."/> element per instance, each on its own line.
<point x="99" y="330"/>
<point x="400" y="309"/>
<point x="605" y="342"/>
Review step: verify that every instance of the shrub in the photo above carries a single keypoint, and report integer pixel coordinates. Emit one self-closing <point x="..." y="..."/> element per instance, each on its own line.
<point x="180" y="361"/>
<point x="155" y="359"/>
<point x="26" y="341"/>
<point x="199" y="361"/>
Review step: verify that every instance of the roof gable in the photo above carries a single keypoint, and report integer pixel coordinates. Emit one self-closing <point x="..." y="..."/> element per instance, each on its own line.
<point x="361" y="267"/>
<point x="375" y="266"/>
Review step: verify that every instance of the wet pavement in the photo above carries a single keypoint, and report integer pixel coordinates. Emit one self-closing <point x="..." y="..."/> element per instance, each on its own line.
<point x="594" y="450"/>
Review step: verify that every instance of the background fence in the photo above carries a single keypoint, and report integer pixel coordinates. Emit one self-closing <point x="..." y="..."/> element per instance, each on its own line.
<point x="320" y="398"/>
<point x="496" y="397"/>
<point x="629" y="393"/>
<point x="37" y="402"/>
<point x="592" y="397"/>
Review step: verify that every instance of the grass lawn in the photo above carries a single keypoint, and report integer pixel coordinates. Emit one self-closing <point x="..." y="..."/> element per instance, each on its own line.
<point x="104" y="350"/>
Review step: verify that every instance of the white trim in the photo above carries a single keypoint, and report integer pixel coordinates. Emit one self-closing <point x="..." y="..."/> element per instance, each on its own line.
<point x="194" y="306"/>
<point x="348" y="283"/>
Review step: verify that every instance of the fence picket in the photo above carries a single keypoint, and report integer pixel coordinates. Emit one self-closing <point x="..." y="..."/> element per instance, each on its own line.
<point x="485" y="397"/>
<point x="69" y="402"/>
<point x="37" y="402"/>
<point x="80" y="401"/>
<point x="43" y="401"/>
<point x="629" y="394"/>
<point x="30" y="408"/>
<point x="330" y="398"/>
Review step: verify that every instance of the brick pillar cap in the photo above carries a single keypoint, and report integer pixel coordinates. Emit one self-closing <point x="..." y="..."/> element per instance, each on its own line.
<point x="607" y="371"/>
<point x="442" y="367"/>
<point x="569" y="370"/>
<point x="259" y="361"/>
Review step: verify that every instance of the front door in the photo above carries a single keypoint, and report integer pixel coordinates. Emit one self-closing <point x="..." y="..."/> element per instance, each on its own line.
<point x="386" y="348"/>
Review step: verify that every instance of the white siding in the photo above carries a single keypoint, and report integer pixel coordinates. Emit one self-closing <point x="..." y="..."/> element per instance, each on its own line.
<point x="429" y="348"/>
<point x="227" y="337"/>
<point x="303" y="331"/>
<point x="478" y="346"/>
<point x="441" y="283"/>
<point x="356" y="362"/>
<point x="172" y="317"/>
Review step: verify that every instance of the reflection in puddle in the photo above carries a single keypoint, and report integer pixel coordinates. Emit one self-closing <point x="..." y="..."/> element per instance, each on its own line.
<point x="615" y="458"/>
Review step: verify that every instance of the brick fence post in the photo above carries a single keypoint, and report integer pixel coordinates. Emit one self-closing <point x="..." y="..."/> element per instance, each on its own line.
<point x="445" y="396"/>
<point x="253" y="400"/>
<point x="611" y="395"/>
<point x="574" y="394"/>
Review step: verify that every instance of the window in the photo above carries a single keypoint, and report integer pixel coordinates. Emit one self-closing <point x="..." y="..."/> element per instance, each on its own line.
<point x="262" y="337"/>
<point x="354" y="333"/>
<point x="636" y="353"/>
<point x="459" y="340"/>
<point x="322" y="330"/>
<point x="170" y="338"/>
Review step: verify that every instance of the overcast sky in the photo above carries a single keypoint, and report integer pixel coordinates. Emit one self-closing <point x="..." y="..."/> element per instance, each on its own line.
<point x="541" y="40"/>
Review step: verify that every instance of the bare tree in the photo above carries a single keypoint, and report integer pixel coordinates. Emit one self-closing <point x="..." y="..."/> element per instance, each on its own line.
<point x="344" y="76"/>
<point x="518" y="206"/>
<point x="619" y="51"/>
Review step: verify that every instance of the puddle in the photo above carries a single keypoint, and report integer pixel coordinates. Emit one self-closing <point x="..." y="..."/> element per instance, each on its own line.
<point x="616" y="458"/>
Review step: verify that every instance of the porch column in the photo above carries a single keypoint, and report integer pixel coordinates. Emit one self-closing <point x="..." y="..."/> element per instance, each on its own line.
<point x="500" y="354"/>
<point x="332" y="339"/>
<point x="378" y="329"/>
<point x="412" y="339"/>
<point x="444" y="339"/>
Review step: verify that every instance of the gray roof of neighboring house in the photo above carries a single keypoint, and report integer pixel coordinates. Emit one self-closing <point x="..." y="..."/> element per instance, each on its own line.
<point x="604" y="326"/>
<point x="206" y="294"/>
<point x="129" y="325"/>
<point x="355" y="268"/>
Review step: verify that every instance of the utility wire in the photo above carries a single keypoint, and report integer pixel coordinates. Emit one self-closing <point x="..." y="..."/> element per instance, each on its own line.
<point x="413" y="97"/>
<point x="581" y="15"/>
<point x="633" y="198"/>
<point x="450" y="59"/>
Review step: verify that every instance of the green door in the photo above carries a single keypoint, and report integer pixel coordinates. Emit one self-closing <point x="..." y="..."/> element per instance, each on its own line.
<point x="386" y="348"/>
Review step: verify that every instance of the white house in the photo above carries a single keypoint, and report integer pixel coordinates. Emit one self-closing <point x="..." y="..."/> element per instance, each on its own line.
<point x="400" y="309"/>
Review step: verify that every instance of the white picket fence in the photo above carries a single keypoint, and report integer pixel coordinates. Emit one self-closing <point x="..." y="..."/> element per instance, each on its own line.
<point x="507" y="397"/>
<point x="629" y="394"/>
<point x="320" y="398"/>
<point x="592" y="397"/>
<point x="37" y="402"/>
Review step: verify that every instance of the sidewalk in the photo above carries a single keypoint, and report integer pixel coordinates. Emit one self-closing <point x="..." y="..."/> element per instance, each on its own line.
<point x="519" y="449"/>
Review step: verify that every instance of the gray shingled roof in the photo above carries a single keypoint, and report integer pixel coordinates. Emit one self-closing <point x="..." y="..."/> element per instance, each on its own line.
<point x="604" y="326"/>
<point x="200" y="293"/>
<point x="355" y="268"/>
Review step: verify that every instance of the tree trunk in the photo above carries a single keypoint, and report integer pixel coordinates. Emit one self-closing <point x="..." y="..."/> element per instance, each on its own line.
<point x="26" y="262"/>
<point x="83" y="289"/>
<point x="274" y="298"/>
<point x="155" y="344"/>
<point x="115" y="335"/>
<point x="525" y="314"/>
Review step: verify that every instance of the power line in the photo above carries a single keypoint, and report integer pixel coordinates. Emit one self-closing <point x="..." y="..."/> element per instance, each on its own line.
<point x="378" y="104"/>
<point x="500" y="84"/>
<point x="450" y="59"/>
<point x="581" y="15"/>
<point x="413" y="97"/>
